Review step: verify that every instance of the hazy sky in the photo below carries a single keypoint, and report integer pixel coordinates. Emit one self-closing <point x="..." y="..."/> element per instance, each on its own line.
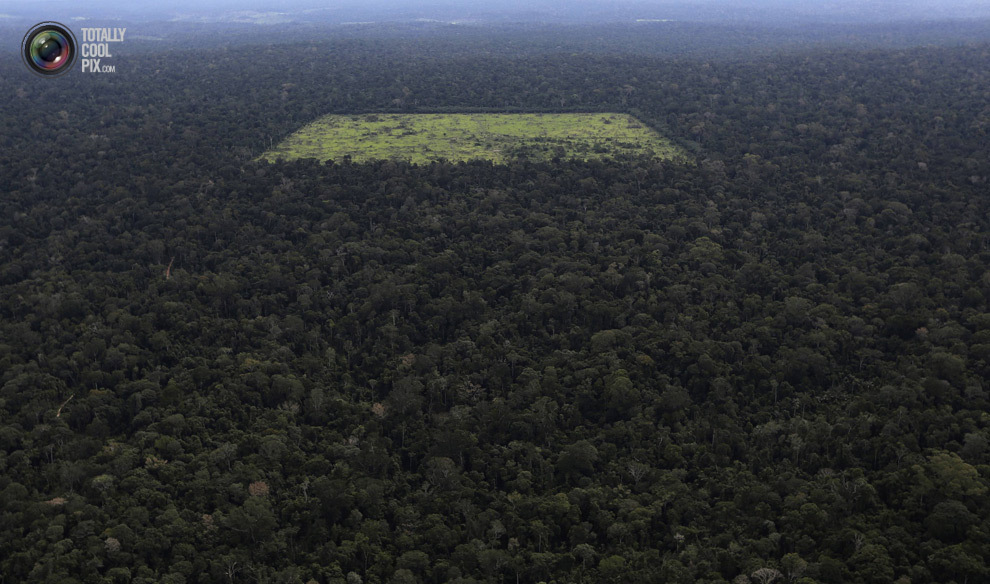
<point x="519" y="10"/>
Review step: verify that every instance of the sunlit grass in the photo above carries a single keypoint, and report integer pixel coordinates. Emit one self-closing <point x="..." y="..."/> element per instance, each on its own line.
<point x="498" y="137"/>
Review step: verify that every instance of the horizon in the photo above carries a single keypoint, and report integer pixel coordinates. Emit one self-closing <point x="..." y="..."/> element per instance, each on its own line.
<point x="472" y="11"/>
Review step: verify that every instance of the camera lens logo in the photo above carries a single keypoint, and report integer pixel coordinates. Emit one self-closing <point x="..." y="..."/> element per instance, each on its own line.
<point x="49" y="49"/>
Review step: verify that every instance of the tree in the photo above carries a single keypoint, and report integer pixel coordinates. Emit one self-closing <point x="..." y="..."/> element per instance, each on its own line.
<point x="873" y="564"/>
<point x="577" y="459"/>
<point x="766" y="575"/>
<point x="254" y="520"/>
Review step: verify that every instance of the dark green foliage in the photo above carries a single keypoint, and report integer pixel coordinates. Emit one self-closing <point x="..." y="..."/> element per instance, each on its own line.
<point x="766" y="363"/>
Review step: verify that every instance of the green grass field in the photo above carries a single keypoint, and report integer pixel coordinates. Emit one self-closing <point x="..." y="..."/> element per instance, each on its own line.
<point x="498" y="137"/>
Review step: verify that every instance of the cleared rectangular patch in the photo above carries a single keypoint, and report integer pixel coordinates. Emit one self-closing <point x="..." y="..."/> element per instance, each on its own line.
<point x="422" y="138"/>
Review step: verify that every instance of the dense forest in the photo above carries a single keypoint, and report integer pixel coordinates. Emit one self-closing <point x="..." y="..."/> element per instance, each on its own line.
<point x="764" y="364"/>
